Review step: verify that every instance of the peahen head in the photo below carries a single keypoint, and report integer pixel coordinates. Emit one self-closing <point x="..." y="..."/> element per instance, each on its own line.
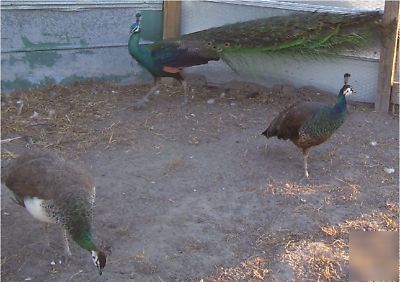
<point x="99" y="259"/>
<point x="135" y="27"/>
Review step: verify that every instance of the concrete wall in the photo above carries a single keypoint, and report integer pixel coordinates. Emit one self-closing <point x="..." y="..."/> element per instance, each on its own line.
<point x="43" y="44"/>
<point x="325" y="74"/>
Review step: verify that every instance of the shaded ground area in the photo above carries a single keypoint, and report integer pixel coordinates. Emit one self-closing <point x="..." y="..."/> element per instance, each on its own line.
<point x="186" y="193"/>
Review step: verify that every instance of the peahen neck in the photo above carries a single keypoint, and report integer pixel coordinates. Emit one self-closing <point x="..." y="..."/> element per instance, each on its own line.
<point x="341" y="105"/>
<point x="85" y="240"/>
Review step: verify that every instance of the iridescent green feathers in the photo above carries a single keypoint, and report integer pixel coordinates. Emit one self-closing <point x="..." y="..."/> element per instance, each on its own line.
<point x="304" y="33"/>
<point x="307" y="34"/>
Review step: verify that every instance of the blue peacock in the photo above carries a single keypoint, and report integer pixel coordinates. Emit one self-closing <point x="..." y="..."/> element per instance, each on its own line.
<point x="309" y="124"/>
<point x="308" y="34"/>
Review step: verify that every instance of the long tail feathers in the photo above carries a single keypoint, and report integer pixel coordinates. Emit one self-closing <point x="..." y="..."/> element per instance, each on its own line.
<point x="308" y="34"/>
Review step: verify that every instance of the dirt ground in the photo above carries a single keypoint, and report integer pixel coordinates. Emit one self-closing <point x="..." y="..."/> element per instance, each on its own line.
<point x="191" y="193"/>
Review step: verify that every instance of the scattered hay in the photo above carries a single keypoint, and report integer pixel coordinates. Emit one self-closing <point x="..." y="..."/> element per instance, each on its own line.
<point x="328" y="260"/>
<point x="277" y="239"/>
<point x="317" y="260"/>
<point x="8" y="155"/>
<point x="281" y="188"/>
<point x="174" y="164"/>
<point x="252" y="269"/>
<point x="376" y="221"/>
<point x="140" y="261"/>
<point x="70" y="118"/>
<point x="393" y="208"/>
<point x="343" y="194"/>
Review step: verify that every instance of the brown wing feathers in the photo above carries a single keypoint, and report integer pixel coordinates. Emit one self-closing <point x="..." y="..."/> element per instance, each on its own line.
<point x="45" y="176"/>
<point x="288" y="123"/>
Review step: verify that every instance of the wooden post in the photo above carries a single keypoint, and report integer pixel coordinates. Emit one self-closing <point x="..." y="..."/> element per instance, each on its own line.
<point x="388" y="56"/>
<point x="172" y="19"/>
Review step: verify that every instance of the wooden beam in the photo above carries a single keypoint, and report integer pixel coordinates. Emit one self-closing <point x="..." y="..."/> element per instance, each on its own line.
<point x="172" y="19"/>
<point x="388" y="56"/>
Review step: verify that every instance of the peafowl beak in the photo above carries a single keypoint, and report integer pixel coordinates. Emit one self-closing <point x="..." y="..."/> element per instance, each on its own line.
<point x="134" y="28"/>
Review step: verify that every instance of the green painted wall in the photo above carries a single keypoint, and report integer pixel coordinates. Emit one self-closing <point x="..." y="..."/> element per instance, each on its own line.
<point x="54" y="46"/>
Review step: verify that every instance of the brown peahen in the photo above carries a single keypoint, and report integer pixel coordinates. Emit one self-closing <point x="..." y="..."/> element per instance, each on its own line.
<point x="308" y="124"/>
<point x="309" y="34"/>
<point x="56" y="191"/>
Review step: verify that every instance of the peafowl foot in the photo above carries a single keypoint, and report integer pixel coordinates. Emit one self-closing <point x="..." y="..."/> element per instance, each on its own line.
<point x="67" y="250"/>
<point x="185" y="100"/>
<point x="141" y="103"/>
<point x="304" y="180"/>
<point x="65" y="259"/>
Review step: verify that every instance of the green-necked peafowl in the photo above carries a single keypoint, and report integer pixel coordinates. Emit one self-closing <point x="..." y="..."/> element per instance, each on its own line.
<point x="308" y="124"/>
<point x="56" y="191"/>
<point x="165" y="58"/>
<point x="309" y="34"/>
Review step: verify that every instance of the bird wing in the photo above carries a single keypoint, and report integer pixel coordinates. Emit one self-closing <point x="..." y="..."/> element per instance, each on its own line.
<point x="287" y="124"/>
<point x="179" y="54"/>
<point x="42" y="175"/>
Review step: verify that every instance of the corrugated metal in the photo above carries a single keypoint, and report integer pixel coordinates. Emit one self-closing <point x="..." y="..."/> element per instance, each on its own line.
<point x="347" y="4"/>
<point x="310" y="6"/>
<point x="76" y="5"/>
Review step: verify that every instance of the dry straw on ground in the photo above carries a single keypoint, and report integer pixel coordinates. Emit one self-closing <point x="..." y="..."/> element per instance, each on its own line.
<point x="327" y="259"/>
<point x="316" y="260"/>
<point x="252" y="269"/>
<point x="69" y="118"/>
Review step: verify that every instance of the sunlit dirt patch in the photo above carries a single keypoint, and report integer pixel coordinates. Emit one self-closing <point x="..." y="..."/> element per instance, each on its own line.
<point x="376" y="221"/>
<point x="317" y="260"/>
<point x="285" y="188"/>
<point x="252" y="269"/>
<point x="327" y="259"/>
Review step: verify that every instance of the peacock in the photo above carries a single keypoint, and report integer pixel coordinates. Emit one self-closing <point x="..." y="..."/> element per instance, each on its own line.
<point x="309" y="124"/>
<point x="166" y="58"/>
<point x="308" y="34"/>
<point x="54" y="190"/>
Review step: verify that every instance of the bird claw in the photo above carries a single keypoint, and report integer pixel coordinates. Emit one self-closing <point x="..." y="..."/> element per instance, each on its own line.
<point x="185" y="100"/>
<point x="140" y="104"/>
<point x="304" y="180"/>
<point x="65" y="258"/>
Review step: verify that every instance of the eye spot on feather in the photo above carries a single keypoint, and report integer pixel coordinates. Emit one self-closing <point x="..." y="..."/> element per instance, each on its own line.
<point x="227" y="44"/>
<point x="214" y="47"/>
<point x="209" y="44"/>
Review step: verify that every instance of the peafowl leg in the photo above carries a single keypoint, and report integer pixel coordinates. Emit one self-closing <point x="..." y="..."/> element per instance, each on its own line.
<point x="66" y="244"/>
<point x="46" y="232"/>
<point x="185" y="92"/>
<point x="305" y="153"/>
<point x="153" y="91"/>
